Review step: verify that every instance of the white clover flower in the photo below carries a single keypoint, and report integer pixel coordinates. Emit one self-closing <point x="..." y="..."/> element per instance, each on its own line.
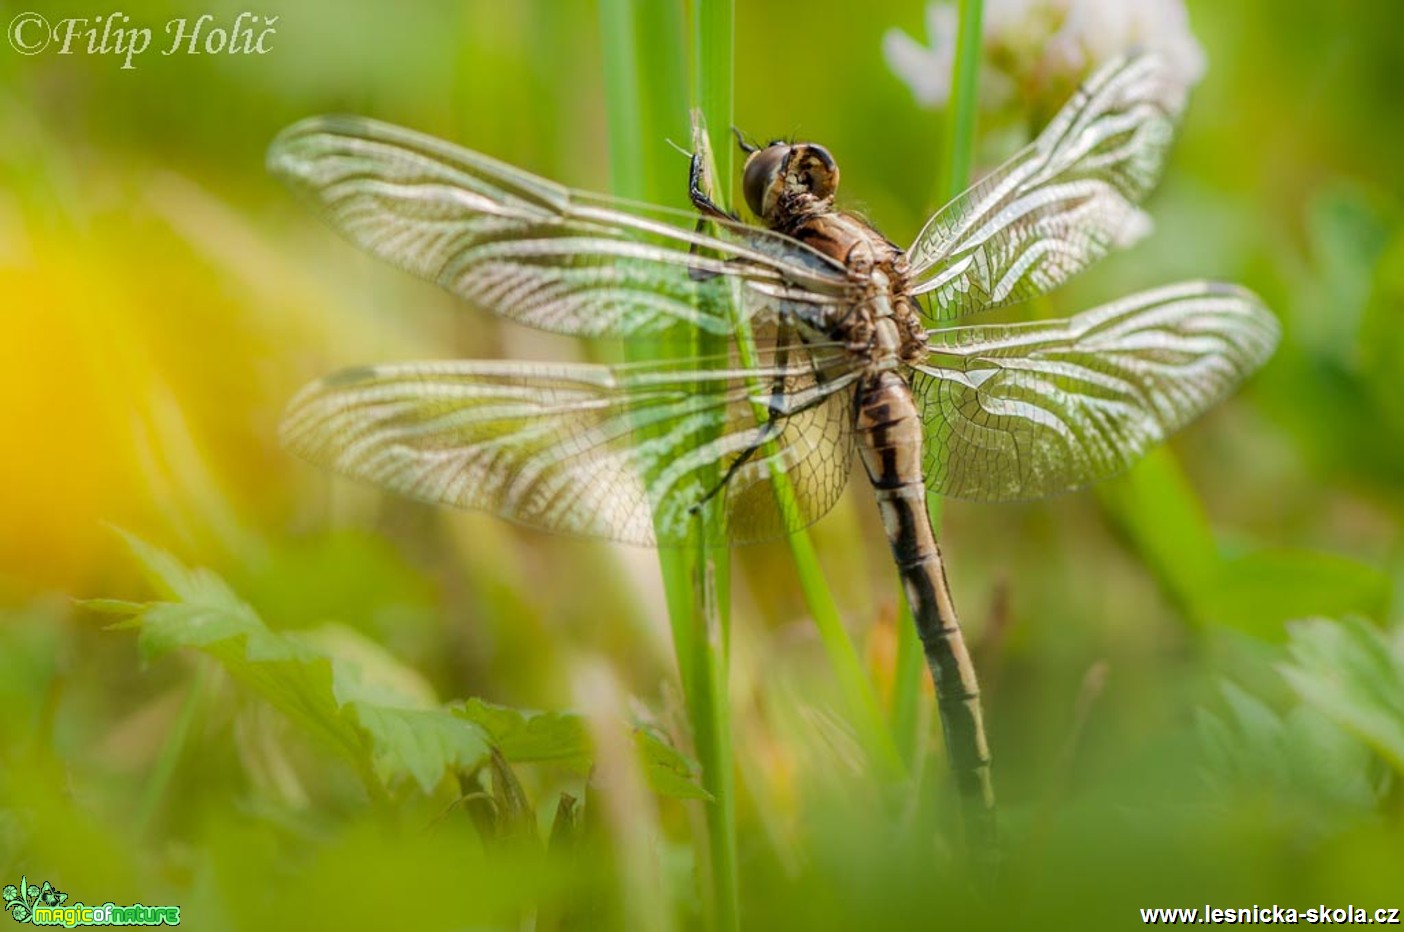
<point x="1044" y="47"/>
<point x="1098" y="30"/>
<point x="927" y="71"/>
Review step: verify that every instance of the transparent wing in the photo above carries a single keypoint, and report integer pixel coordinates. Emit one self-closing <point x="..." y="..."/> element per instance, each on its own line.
<point x="1058" y="205"/>
<point x="531" y="250"/>
<point x="622" y="452"/>
<point x="1021" y="411"/>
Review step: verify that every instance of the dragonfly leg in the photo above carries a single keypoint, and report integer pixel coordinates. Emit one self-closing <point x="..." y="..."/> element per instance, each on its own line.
<point x="767" y="432"/>
<point x="710" y="210"/>
<point x="696" y="190"/>
<point x="776" y="408"/>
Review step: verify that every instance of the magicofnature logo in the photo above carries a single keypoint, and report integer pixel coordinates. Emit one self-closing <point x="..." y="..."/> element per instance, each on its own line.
<point x="43" y="905"/>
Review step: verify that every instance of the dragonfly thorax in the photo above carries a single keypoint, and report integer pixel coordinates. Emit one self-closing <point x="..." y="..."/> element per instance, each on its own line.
<point x="884" y="325"/>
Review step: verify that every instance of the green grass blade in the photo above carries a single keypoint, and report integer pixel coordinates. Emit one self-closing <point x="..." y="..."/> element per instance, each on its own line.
<point x="647" y="93"/>
<point x="965" y="86"/>
<point x="714" y="51"/>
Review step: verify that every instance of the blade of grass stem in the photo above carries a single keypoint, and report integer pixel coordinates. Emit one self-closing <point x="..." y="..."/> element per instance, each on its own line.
<point x="642" y="89"/>
<point x="853" y="679"/>
<point x="646" y="87"/>
<point x="713" y="89"/>
<point x="907" y="678"/>
<point x="960" y="116"/>
<point x="623" y="96"/>
<point x="172" y="749"/>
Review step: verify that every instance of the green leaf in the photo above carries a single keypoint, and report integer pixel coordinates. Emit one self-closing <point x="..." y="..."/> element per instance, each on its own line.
<point x="1354" y="676"/>
<point x="348" y="692"/>
<point x="523" y="736"/>
<point x="1256" y="722"/>
<point x="367" y="672"/>
<point x="561" y="737"/>
<point x="425" y="743"/>
<point x="165" y="573"/>
<point x="1260" y="592"/>
<point x="670" y="772"/>
<point x="384" y="730"/>
<point x="1348" y="232"/>
<point x="1314" y="771"/>
<point x="119" y="607"/>
<point x="1331" y="762"/>
<point x="1246" y="744"/>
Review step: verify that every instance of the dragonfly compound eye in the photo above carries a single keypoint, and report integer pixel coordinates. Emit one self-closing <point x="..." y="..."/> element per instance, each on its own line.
<point x="764" y="177"/>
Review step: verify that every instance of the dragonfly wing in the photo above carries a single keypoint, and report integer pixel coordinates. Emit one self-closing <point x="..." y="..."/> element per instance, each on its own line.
<point x="1061" y="203"/>
<point x="1021" y="411"/>
<point x="621" y="452"/>
<point x="531" y="250"/>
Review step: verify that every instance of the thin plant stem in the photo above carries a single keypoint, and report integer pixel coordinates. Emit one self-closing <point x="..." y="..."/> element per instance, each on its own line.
<point x="965" y="87"/>
<point x="647" y="87"/>
<point x="171" y="750"/>
<point x="853" y="680"/>
<point x="623" y="98"/>
<point x="646" y="104"/>
<point x="713" y="94"/>
<point x="906" y="680"/>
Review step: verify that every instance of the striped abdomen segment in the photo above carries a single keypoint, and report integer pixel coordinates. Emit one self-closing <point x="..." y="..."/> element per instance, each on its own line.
<point x="890" y="443"/>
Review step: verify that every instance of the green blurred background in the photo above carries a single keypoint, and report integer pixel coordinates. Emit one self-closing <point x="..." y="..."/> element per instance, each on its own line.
<point x="1165" y="732"/>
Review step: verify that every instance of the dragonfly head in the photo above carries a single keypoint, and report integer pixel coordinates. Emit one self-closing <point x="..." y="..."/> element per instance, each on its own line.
<point x="786" y="177"/>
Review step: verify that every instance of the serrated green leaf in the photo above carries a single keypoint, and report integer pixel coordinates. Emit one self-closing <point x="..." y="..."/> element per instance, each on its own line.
<point x="1315" y="772"/>
<point x="168" y="626"/>
<point x="366" y="671"/>
<point x="670" y="772"/>
<point x="1255" y="720"/>
<point x="424" y="743"/>
<point x="1333" y="763"/>
<point x="166" y="574"/>
<point x="378" y="728"/>
<point x="1351" y="674"/>
<point x="1258" y="729"/>
<point x="523" y="736"/>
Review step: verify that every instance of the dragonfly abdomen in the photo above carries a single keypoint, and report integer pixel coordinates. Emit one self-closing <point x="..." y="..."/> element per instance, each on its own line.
<point x="890" y="442"/>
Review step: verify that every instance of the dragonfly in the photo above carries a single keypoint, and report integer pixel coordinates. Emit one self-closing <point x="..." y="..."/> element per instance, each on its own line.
<point x="852" y="348"/>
